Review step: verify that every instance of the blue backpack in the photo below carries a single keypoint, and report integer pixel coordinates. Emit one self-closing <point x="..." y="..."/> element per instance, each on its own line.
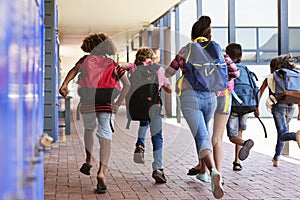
<point x="287" y="86"/>
<point x="245" y="96"/>
<point x="206" y="69"/>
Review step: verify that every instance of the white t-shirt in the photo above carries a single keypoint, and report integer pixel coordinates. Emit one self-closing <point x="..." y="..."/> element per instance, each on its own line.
<point x="271" y="85"/>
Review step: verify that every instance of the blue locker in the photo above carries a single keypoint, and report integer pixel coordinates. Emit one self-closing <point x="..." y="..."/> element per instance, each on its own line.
<point x="4" y="40"/>
<point x="21" y="98"/>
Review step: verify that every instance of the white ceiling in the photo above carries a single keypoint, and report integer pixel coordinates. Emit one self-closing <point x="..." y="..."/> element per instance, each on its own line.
<point x="121" y="19"/>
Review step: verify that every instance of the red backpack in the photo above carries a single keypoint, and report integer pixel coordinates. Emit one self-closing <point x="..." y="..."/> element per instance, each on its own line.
<point x="98" y="83"/>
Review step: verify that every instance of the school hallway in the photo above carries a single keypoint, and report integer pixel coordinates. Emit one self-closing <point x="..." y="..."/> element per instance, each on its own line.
<point x="128" y="180"/>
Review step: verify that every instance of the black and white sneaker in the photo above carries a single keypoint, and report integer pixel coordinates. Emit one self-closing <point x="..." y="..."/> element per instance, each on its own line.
<point x="159" y="176"/>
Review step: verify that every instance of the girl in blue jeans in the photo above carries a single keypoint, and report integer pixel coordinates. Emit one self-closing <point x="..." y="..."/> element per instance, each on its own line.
<point x="145" y="56"/>
<point x="198" y="106"/>
<point x="282" y="112"/>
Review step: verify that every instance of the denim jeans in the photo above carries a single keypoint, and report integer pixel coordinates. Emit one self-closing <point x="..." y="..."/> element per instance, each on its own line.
<point x="282" y="114"/>
<point x="156" y="137"/>
<point x="198" y="109"/>
<point x="235" y="124"/>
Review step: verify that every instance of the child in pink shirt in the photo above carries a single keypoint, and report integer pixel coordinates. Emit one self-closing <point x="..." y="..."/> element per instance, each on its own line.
<point x="145" y="57"/>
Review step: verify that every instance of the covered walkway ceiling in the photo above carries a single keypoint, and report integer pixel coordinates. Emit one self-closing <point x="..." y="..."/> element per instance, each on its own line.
<point x="121" y="19"/>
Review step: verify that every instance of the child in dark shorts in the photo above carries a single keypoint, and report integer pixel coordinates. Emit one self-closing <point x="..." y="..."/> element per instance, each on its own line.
<point x="237" y="123"/>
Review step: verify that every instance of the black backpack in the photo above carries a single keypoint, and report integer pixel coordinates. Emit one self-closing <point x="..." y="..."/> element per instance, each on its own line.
<point x="245" y="96"/>
<point x="143" y="97"/>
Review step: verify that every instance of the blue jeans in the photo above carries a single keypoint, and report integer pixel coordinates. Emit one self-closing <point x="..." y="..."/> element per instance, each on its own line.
<point x="156" y="137"/>
<point x="282" y="114"/>
<point x="235" y="124"/>
<point x="198" y="109"/>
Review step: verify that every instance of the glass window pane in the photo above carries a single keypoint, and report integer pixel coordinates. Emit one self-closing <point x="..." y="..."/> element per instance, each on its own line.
<point x="187" y="17"/>
<point x="265" y="57"/>
<point x="294" y="42"/>
<point x="220" y="36"/>
<point x="249" y="57"/>
<point x="246" y="37"/>
<point x="268" y="38"/>
<point x="294" y="14"/>
<point x="216" y="10"/>
<point x="256" y="12"/>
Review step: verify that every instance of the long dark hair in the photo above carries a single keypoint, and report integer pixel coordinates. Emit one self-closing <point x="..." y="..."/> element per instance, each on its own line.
<point x="201" y="28"/>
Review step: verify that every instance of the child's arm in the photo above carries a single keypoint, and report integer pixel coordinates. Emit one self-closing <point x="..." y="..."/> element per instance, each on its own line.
<point x="168" y="89"/>
<point x="124" y="91"/>
<point x="128" y="66"/>
<point x="176" y="63"/>
<point x="63" y="90"/>
<point x="164" y="82"/>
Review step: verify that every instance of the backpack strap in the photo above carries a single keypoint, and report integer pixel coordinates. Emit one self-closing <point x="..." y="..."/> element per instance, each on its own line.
<point x="111" y="124"/>
<point x="262" y="126"/>
<point x="128" y="123"/>
<point x="227" y="100"/>
<point x="236" y="97"/>
<point x="179" y="85"/>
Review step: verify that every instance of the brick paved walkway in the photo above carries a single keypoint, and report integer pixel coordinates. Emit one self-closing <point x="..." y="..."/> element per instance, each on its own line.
<point x="127" y="180"/>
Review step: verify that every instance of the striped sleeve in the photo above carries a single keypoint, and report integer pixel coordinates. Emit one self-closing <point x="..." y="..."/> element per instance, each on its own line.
<point x="177" y="63"/>
<point x="233" y="70"/>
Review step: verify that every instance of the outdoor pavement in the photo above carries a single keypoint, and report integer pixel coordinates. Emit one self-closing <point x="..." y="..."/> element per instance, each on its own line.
<point x="128" y="180"/>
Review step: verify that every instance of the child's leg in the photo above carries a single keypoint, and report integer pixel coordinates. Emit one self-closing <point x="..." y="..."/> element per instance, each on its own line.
<point x="104" y="133"/>
<point x="142" y="131"/>
<point x="89" y="145"/>
<point x="238" y="147"/>
<point x="138" y="156"/>
<point x="90" y="124"/>
<point x="234" y="136"/>
<point x="220" y="121"/>
<point x="282" y="114"/>
<point x="157" y="142"/>
<point x="105" y="148"/>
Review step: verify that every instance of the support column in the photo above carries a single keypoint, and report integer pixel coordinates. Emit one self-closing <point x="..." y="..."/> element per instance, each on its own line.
<point x="231" y="21"/>
<point x="199" y="8"/>
<point x="283" y="29"/>
<point x="283" y="43"/>
<point x="177" y="46"/>
<point x="51" y="70"/>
